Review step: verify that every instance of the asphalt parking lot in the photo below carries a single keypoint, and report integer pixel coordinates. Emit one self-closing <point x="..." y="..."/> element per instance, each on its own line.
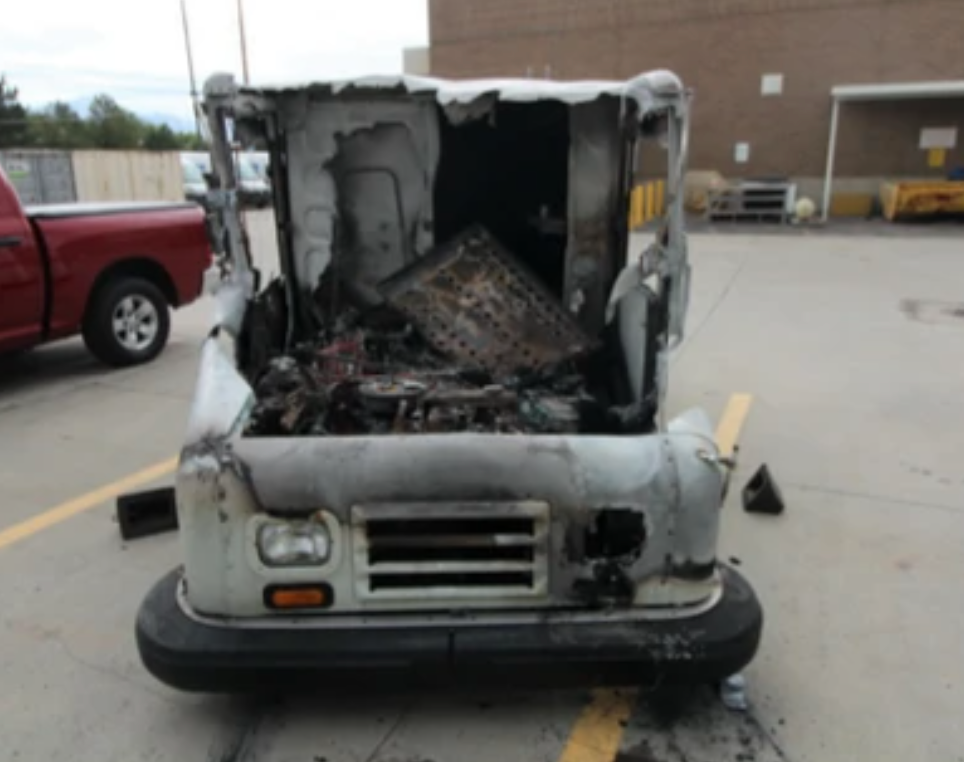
<point x="849" y="348"/>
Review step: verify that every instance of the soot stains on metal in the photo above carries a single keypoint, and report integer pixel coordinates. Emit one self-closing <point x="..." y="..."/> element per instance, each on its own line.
<point x="613" y="541"/>
<point x="609" y="585"/>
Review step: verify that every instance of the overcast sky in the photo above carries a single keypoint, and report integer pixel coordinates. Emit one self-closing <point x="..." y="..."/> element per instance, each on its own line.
<point x="134" y="49"/>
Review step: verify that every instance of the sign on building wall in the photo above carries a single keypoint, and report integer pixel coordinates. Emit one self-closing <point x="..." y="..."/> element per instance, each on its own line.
<point x="16" y="169"/>
<point x="771" y="84"/>
<point x="936" y="158"/>
<point x="938" y="137"/>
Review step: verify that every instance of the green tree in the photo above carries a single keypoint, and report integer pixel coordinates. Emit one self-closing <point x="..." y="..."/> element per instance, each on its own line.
<point x="189" y="141"/>
<point x="112" y="126"/>
<point x="58" y="126"/>
<point x="108" y="125"/>
<point x="160" y="137"/>
<point x="14" y="127"/>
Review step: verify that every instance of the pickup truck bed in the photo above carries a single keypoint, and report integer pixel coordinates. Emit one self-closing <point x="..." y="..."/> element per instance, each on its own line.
<point x="110" y="272"/>
<point x="102" y="209"/>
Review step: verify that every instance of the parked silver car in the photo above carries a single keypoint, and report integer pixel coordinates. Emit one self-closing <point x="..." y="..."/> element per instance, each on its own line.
<point x="252" y="189"/>
<point x="195" y="187"/>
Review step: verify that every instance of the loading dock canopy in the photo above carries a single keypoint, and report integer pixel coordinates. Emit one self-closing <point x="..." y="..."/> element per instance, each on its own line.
<point x="898" y="91"/>
<point x="895" y="91"/>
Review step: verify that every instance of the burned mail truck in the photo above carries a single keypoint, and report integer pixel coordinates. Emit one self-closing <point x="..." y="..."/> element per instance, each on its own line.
<point x="435" y="447"/>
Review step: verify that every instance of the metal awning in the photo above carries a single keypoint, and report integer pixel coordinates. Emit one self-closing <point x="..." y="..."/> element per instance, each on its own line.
<point x="894" y="91"/>
<point x="899" y="91"/>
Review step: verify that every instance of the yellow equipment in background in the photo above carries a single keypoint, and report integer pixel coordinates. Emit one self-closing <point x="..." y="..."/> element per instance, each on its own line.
<point x="647" y="203"/>
<point x="921" y="199"/>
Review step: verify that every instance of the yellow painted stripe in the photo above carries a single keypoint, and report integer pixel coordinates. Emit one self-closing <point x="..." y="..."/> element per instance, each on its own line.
<point x="598" y="732"/>
<point x="661" y="197"/>
<point x="730" y="425"/>
<point x="650" y="198"/>
<point x="85" y="502"/>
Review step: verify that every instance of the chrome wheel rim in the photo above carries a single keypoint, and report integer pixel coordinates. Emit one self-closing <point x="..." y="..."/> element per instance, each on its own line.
<point x="135" y="321"/>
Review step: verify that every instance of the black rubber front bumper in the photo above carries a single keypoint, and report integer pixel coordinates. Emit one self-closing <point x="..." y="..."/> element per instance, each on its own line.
<point x="192" y="656"/>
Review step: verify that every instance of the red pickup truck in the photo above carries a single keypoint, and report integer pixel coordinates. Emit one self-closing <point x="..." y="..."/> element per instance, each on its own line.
<point x="108" y="271"/>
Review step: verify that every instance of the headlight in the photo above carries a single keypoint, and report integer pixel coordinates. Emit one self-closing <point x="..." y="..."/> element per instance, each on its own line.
<point x="295" y="543"/>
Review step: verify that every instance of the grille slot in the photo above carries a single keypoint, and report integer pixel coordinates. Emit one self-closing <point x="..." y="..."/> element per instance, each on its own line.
<point x="425" y="552"/>
<point x="479" y="579"/>
<point x="467" y="526"/>
<point x="479" y="550"/>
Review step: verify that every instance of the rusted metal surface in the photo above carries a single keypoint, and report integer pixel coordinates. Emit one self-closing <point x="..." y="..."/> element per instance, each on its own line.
<point x="476" y="303"/>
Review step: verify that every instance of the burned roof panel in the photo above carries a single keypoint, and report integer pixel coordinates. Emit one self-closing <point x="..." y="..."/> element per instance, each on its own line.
<point x="646" y="90"/>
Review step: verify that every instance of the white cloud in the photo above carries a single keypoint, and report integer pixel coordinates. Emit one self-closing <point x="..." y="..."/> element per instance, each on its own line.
<point x="64" y="49"/>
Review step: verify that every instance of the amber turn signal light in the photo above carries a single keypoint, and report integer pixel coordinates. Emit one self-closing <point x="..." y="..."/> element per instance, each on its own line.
<point x="298" y="596"/>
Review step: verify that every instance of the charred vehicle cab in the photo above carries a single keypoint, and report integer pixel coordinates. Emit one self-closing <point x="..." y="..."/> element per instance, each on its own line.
<point x="434" y="447"/>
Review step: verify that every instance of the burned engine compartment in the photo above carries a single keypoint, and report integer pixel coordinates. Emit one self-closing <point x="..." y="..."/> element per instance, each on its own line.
<point x="464" y="340"/>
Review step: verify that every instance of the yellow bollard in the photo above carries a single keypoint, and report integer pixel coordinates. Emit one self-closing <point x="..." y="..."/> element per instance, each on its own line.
<point x="636" y="208"/>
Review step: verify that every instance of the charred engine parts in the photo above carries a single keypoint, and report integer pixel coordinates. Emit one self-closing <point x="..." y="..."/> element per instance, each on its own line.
<point x="476" y="304"/>
<point x="467" y="340"/>
<point x="386" y="396"/>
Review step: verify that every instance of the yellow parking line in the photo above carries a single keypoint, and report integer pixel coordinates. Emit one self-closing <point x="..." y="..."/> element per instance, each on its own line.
<point x="85" y="502"/>
<point x="598" y="732"/>
<point x="734" y="415"/>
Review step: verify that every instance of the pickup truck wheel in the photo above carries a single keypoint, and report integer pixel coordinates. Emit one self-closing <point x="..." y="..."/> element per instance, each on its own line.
<point x="127" y="323"/>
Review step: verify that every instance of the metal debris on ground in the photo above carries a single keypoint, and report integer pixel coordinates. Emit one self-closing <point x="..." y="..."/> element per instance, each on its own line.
<point x="141" y="514"/>
<point x="762" y="495"/>
<point x="733" y="693"/>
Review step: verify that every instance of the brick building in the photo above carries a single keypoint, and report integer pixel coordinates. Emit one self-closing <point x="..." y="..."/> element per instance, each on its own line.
<point x="762" y="72"/>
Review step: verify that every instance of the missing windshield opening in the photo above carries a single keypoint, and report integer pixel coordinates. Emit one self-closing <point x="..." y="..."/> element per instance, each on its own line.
<point x="450" y="271"/>
<point x="510" y="173"/>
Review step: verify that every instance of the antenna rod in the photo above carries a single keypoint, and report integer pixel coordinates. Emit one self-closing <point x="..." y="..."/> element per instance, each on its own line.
<point x="244" y="43"/>
<point x="190" y="68"/>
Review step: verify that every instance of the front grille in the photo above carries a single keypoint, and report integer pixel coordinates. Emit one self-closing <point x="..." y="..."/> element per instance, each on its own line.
<point x="433" y="550"/>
